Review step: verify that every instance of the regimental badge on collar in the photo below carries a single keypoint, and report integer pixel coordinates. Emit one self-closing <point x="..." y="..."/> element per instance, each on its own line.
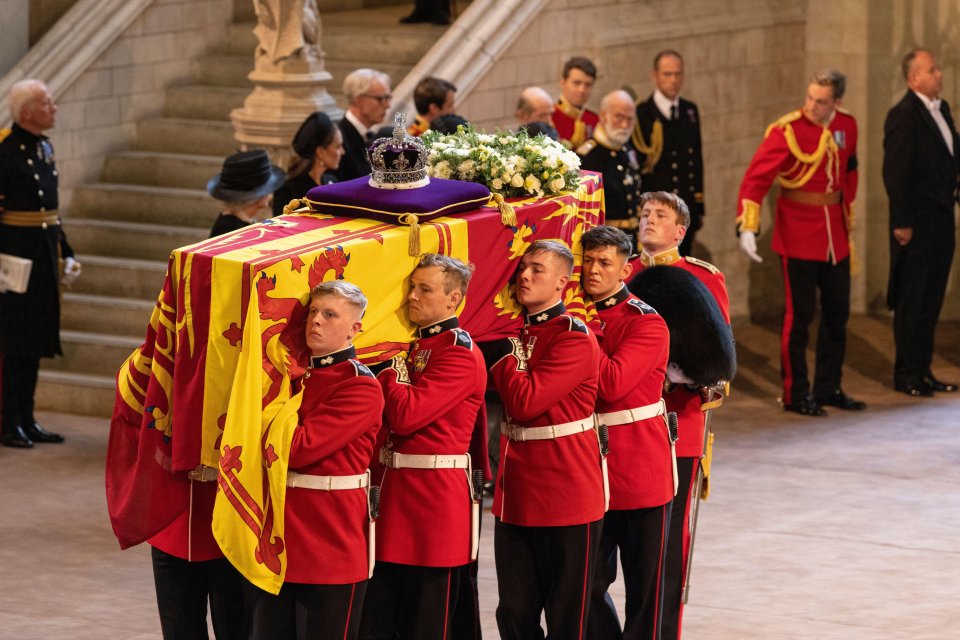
<point x="841" y="138"/>
<point x="420" y="360"/>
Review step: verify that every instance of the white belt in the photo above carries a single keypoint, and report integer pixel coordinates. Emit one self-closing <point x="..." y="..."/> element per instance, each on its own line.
<point x="396" y="460"/>
<point x="327" y="483"/>
<point x="550" y="432"/>
<point x="629" y="416"/>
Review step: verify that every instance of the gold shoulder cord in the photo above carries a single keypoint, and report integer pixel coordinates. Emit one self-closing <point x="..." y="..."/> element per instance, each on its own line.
<point x="826" y="147"/>
<point x="650" y="151"/>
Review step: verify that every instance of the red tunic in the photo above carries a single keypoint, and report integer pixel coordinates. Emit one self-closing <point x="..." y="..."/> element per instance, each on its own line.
<point x="633" y="362"/>
<point x="425" y="513"/>
<point x="574" y="126"/>
<point x="190" y="536"/>
<point x="805" y="156"/>
<point x="547" y="483"/>
<point x="680" y="398"/>
<point x="326" y="531"/>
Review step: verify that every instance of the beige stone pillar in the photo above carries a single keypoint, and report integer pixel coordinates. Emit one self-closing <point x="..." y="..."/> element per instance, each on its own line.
<point x="288" y="75"/>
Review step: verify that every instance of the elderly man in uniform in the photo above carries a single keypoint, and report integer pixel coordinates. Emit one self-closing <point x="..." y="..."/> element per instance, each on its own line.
<point x="368" y="98"/>
<point x="668" y="134"/>
<point x="633" y="362"/>
<point x="664" y="219"/>
<point x="549" y="496"/>
<point x="812" y="153"/>
<point x="428" y="523"/>
<point x="571" y="118"/>
<point x="610" y="153"/>
<point x="326" y="508"/>
<point x="30" y="229"/>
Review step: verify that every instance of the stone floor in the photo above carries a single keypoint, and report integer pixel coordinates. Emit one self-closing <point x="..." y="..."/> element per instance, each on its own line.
<point x="837" y="528"/>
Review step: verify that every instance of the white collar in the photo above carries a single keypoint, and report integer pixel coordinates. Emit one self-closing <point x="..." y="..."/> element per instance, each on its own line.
<point x="931" y="104"/>
<point x="664" y="103"/>
<point x="355" y="121"/>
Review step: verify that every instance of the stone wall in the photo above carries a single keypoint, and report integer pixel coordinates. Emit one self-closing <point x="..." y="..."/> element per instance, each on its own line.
<point x="98" y="114"/>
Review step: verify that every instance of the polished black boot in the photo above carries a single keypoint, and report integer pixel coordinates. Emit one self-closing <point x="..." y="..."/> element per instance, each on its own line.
<point x="16" y="437"/>
<point x="38" y="434"/>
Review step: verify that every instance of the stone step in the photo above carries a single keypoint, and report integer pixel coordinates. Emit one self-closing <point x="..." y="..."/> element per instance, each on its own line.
<point x="120" y="277"/>
<point x="131" y="240"/>
<point x="79" y="393"/>
<point x="108" y="314"/>
<point x="183" y="170"/>
<point x="99" y="354"/>
<point x="186" y="135"/>
<point x="204" y="101"/>
<point x="144" y="203"/>
<point x="225" y="70"/>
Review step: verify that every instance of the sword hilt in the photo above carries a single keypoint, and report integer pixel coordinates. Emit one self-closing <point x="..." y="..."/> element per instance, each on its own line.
<point x="673" y="426"/>
<point x="477" y="485"/>
<point x="603" y="431"/>
<point x="374" y="498"/>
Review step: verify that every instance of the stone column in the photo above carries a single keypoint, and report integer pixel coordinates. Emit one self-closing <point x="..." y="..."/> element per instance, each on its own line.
<point x="288" y="75"/>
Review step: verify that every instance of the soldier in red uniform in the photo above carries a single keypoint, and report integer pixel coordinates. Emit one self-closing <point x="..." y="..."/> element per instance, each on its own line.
<point x="326" y="509"/>
<point x="549" y="496"/>
<point x="812" y="153"/>
<point x="433" y="97"/>
<point x="571" y="118"/>
<point x="664" y="219"/>
<point x="428" y="528"/>
<point x="633" y="360"/>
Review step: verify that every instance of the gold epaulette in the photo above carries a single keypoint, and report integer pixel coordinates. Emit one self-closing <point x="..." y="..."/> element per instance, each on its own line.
<point x="4" y="133"/>
<point x="587" y="147"/>
<point x="783" y="121"/>
<point x="703" y="263"/>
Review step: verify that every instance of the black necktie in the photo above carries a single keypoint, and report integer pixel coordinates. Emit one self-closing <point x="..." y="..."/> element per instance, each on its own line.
<point x="673" y="112"/>
<point x="369" y="136"/>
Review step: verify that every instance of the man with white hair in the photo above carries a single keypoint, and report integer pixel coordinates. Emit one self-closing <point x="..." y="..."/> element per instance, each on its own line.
<point x="534" y="108"/>
<point x="368" y="99"/>
<point x="610" y="152"/>
<point x="30" y="229"/>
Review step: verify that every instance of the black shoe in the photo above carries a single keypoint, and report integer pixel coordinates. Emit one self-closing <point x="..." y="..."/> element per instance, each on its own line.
<point x="839" y="399"/>
<point x="805" y="406"/>
<point x="918" y="390"/>
<point x="17" y="438"/>
<point x="936" y="385"/>
<point x="39" y="434"/>
<point x="440" y="21"/>
<point x="414" y="18"/>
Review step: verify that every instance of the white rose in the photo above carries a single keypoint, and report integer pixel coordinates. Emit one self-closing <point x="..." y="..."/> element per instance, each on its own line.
<point x="532" y="184"/>
<point x="496" y="184"/>
<point x="517" y="180"/>
<point x="557" y="184"/>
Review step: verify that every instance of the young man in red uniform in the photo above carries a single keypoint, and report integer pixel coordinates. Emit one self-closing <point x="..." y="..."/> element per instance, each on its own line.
<point x="571" y="118"/>
<point x="634" y="349"/>
<point x="664" y="219"/>
<point x="549" y="496"/>
<point x="812" y="153"/>
<point x="432" y="399"/>
<point x="326" y="509"/>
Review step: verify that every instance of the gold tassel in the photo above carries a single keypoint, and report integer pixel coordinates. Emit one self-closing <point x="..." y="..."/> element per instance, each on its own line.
<point x="508" y="216"/>
<point x="291" y="206"/>
<point x="413" y="241"/>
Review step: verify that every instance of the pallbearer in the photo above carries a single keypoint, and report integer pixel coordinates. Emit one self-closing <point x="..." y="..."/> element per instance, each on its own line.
<point x="429" y="525"/>
<point x="327" y="510"/>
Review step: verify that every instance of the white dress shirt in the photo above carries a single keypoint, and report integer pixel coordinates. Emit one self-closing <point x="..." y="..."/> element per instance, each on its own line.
<point x="934" y="107"/>
<point x="664" y="103"/>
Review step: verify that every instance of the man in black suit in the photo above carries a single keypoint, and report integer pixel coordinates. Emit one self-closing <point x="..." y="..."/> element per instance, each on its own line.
<point x="668" y="135"/>
<point x="920" y="173"/>
<point x="368" y="99"/>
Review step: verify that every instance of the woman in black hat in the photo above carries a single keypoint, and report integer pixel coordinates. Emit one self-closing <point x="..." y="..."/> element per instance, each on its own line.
<point x="244" y="187"/>
<point x="319" y="147"/>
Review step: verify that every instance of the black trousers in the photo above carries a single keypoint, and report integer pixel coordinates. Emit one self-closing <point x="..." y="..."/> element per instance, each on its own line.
<point x="545" y="569"/>
<point x="432" y="8"/>
<point x="466" y="614"/>
<point x="678" y="551"/>
<point x="183" y="590"/>
<point x="922" y="268"/>
<point x="19" y="386"/>
<point x="407" y="602"/>
<point x="640" y="535"/>
<point x="802" y="280"/>
<point x="308" y="612"/>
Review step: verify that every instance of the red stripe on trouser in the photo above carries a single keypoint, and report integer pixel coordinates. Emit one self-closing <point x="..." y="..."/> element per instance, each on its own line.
<point x="663" y="543"/>
<point x="446" y="607"/>
<point x="785" y="364"/>
<point x="686" y="537"/>
<point x="346" y="626"/>
<point x="586" y="579"/>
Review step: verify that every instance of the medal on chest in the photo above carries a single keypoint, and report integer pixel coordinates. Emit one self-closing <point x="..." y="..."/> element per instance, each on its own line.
<point x="841" y="138"/>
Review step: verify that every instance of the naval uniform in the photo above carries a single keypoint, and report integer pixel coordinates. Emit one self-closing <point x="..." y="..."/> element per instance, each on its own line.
<point x="621" y="179"/>
<point x="689" y="406"/>
<point x="672" y="155"/>
<point x="29" y="228"/>
<point x="432" y="401"/>
<point x="549" y="497"/>
<point x="326" y="511"/>
<point x="633" y="361"/>
<point x="816" y="167"/>
<point x="573" y="125"/>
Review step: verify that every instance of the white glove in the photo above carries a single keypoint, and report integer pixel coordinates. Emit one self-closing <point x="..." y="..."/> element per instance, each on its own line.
<point x="748" y="244"/>
<point x="71" y="270"/>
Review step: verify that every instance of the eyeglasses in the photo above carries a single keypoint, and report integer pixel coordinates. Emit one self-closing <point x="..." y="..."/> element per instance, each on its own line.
<point x="382" y="99"/>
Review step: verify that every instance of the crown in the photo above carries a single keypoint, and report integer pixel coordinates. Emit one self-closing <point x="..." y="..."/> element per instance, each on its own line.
<point x="400" y="161"/>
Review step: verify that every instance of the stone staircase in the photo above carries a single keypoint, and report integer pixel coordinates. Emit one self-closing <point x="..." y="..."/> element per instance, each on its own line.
<point x="151" y="199"/>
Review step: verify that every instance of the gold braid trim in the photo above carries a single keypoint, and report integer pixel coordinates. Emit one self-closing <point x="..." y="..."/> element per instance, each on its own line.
<point x="650" y="151"/>
<point x="826" y="147"/>
<point x="4" y="133"/>
<point x="749" y="218"/>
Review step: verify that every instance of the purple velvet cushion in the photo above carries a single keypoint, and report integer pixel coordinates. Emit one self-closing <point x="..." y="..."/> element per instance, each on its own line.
<point x="357" y="199"/>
